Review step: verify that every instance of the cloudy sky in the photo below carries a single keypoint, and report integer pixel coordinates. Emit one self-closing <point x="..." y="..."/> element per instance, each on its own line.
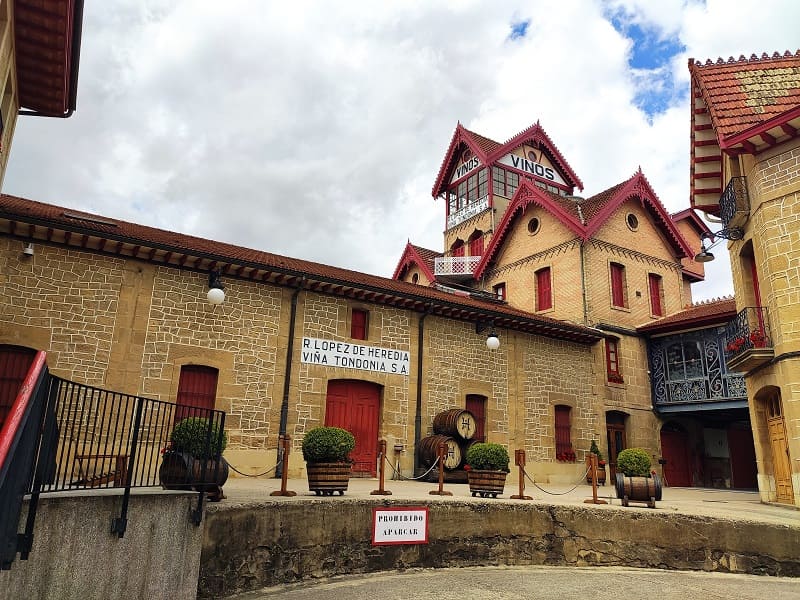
<point x="316" y="129"/>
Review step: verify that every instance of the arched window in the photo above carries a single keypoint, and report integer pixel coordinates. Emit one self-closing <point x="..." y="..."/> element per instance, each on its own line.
<point x="476" y="244"/>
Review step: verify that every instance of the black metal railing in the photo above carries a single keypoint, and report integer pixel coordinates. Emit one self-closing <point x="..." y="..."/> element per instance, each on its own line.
<point x="747" y="331"/>
<point x="83" y="438"/>
<point x="734" y="203"/>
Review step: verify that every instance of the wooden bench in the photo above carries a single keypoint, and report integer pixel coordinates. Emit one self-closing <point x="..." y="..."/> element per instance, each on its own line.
<point x="89" y="477"/>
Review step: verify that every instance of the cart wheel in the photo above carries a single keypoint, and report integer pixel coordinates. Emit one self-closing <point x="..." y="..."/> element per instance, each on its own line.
<point x="318" y="492"/>
<point x="624" y="501"/>
<point x="473" y="494"/>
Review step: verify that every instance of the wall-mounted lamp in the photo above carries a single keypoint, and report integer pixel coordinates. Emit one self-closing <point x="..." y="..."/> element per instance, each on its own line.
<point x="216" y="294"/>
<point x="704" y="256"/>
<point x="27" y="250"/>
<point x="492" y="340"/>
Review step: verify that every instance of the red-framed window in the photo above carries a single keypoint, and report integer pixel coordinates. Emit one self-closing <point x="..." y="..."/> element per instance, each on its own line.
<point x="544" y="289"/>
<point x="358" y="324"/>
<point x="476" y="245"/>
<point x="564" y="449"/>
<point x="197" y="388"/>
<point x="500" y="291"/>
<point x="654" y="283"/>
<point x="618" y="287"/>
<point x="612" y="361"/>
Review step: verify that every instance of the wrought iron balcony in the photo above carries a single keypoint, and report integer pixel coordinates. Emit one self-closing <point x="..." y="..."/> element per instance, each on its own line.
<point x="460" y="267"/>
<point x="734" y="203"/>
<point x="748" y="340"/>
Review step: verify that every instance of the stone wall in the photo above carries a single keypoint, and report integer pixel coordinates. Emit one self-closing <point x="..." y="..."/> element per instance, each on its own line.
<point x="245" y="550"/>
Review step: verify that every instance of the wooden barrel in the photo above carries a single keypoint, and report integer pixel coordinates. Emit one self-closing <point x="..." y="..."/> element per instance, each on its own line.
<point x="428" y="448"/>
<point x="327" y="478"/>
<point x="180" y="470"/>
<point x="638" y="489"/>
<point x="486" y="483"/>
<point x="455" y="422"/>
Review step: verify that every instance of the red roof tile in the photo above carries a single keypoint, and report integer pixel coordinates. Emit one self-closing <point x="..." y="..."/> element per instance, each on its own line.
<point x="718" y="311"/>
<point x="488" y="146"/>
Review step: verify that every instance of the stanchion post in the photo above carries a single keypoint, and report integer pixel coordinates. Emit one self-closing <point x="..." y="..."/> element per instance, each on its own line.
<point x="593" y="470"/>
<point x="441" y="451"/>
<point x="285" y="443"/>
<point x="519" y="460"/>
<point x="381" y="491"/>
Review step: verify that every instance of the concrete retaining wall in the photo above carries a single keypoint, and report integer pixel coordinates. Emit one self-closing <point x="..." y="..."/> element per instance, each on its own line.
<point x="75" y="555"/>
<point x="248" y="547"/>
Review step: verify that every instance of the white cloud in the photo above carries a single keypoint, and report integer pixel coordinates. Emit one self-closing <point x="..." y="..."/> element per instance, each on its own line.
<point x="317" y="132"/>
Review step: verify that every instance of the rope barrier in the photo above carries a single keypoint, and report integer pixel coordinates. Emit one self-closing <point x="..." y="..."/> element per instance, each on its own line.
<point x="556" y="493"/>
<point x="402" y="477"/>
<point x="280" y="458"/>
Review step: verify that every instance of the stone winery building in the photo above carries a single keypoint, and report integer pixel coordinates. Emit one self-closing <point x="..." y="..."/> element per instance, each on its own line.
<point x="588" y="295"/>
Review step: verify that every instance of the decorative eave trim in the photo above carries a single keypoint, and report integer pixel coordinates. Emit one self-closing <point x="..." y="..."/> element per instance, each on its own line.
<point x="759" y="130"/>
<point x="460" y="135"/>
<point x="409" y="257"/>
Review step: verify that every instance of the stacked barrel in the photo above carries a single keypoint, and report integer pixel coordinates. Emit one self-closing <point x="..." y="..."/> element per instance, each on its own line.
<point x="454" y="428"/>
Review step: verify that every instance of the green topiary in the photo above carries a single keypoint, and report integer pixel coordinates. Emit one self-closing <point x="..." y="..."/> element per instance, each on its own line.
<point x="634" y="462"/>
<point x="488" y="456"/>
<point x="595" y="450"/>
<point x="328" y="444"/>
<point x="191" y="435"/>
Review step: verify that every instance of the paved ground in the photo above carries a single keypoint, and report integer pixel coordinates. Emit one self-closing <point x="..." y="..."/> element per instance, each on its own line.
<point x="541" y="583"/>
<point x="696" y="501"/>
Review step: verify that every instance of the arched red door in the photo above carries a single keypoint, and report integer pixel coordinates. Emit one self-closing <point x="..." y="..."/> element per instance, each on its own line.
<point x="355" y="406"/>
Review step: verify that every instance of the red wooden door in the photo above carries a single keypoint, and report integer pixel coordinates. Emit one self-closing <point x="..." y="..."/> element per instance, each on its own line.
<point x="743" y="458"/>
<point x="654" y="282"/>
<point x="197" y="388"/>
<point x="477" y="406"/>
<point x="14" y="364"/>
<point x="544" y="291"/>
<point x="674" y="449"/>
<point x="355" y="406"/>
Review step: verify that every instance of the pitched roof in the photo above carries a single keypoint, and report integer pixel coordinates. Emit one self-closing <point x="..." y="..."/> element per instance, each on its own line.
<point x="37" y="222"/>
<point x="419" y="256"/>
<point x="586" y="216"/>
<point x="47" y="42"/>
<point x="713" y="312"/>
<point x="740" y="106"/>
<point x="480" y="145"/>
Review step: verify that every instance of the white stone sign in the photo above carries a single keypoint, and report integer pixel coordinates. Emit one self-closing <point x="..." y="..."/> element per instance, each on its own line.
<point x="332" y="353"/>
<point x="400" y="525"/>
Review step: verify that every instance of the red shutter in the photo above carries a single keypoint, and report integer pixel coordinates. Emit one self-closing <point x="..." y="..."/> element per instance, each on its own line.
<point x="14" y="364"/>
<point x="563" y="442"/>
<point x="197" y="388"/>
<point x="544" y="292"/>
<point x="358" y="324"/>
<point x="477" y="406"/>
<point x="476" y="246"/>
<point x="458" y="250"/>
<point x="655" y="294"/>
<point x="617" y="285"/>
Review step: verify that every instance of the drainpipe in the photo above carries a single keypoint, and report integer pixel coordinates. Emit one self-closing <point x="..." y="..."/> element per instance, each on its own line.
<point x="583" y="286"/>
<point x="288" y="372"/>
<point x="418" y="409"/>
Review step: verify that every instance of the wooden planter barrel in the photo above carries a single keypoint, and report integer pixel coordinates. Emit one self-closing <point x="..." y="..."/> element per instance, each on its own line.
<point x="485" y="483"/>
<point x="428" y="448"/>
<point x="455" y="422"/>
<point x="638" y="489"/>
<point x="182" y="471"/>
<point x="326" y="478"/>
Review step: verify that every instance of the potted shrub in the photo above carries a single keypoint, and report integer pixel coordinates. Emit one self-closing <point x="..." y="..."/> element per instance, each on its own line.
<point x="326" y="451"/>
<point x="635" y="481"/>
<point x="601" y="464"/>
<point x="194" y="458"/>
<point x="487" y="468"/>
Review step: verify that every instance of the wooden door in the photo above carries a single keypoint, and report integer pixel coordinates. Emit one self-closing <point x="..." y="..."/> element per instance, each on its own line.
<point x="477" y="406"/>
<point x="743" y="458"/>
<point x="674" y="450"/>
<point x="14" y="364"/>
<point x="616" y="439"/>
<point x="355" y="406"/>
<point x="197" y="389"/>
<point x="780" y="450"/>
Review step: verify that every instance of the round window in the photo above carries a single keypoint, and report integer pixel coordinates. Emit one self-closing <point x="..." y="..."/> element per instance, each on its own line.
<point x="534" y="225"/>
<point x="633" y="222"/>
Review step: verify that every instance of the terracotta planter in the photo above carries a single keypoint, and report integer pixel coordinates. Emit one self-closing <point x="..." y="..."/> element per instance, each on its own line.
<point x="182" y="471"/>
<point x="486" y="483"/>
<point x="326" y="478"/>
<point x="638" y="489"/>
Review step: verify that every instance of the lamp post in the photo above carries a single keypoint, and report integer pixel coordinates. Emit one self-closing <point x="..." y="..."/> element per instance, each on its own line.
<point x="704" y="256"/>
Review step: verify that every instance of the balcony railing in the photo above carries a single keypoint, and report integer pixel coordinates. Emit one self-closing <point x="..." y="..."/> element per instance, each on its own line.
<point x="734" y="203"/>
<point x="455" y="266"/>
<point x="748" y="340"/>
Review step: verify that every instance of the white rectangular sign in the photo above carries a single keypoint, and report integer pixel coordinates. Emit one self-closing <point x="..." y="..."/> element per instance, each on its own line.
<point x="400" y="525"/>
<point x="332" y="353"/>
